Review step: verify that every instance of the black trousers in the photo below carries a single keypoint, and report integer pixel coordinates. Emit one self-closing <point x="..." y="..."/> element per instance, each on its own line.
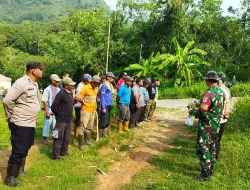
<point x="61" y="145"/>
<point x="104" y="120"/>
<point x="134" y="117"/>
<point x="78" y="116"/>
<point x="143" y="109"/>
<point x="219" y="137"/>
<point x="22" y="138"/>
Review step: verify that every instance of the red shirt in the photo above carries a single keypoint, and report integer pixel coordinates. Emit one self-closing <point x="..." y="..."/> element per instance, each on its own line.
<point x="120" y="82"/>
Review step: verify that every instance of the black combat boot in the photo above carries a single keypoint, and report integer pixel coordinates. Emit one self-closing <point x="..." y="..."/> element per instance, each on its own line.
<point x="212" y="170"/>
<point x="20" y="168"/>
<point x="204" y="176"/>
<point x="11" y="173"/>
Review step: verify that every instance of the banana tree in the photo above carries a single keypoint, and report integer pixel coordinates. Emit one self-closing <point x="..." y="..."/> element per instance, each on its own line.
<point x="145" y="68"/>
<point x="184" y="63"/>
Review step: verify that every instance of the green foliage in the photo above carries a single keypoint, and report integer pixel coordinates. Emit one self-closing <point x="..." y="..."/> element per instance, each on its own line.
<point x="144" y="68"/>
<point x="240" y="90"/>
<point x="198" y="89"/>
<point x="239" y="121"/>
<point x="194" y="91"/>
<point x="4" y="130"/>
<point x="183" y="64"/>
<point x="43" y="11"/>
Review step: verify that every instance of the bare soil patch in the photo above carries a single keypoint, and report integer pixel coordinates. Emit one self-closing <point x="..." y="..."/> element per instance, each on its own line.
<point x="157" y="137"/>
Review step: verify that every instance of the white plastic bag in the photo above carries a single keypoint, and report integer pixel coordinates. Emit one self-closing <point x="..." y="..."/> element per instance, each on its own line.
<point x="189" y="121"/>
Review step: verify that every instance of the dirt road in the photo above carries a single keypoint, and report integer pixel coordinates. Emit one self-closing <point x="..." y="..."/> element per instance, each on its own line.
<point x="157" y="137"/>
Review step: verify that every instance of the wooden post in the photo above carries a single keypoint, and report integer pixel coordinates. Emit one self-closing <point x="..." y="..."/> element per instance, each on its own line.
<point x="107" y="63"/>
<point x="140" y="55"/>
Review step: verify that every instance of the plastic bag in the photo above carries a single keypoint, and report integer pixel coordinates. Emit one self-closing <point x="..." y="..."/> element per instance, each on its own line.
<point x="189" y="122"/>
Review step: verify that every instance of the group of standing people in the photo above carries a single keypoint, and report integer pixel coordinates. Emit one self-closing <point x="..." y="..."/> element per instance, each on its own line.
<point x="136" y="101"/>
<point x="94" y="96"/>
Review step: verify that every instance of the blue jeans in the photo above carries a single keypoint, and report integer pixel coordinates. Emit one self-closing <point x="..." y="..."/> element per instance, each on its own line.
<point x="47" y="124"/>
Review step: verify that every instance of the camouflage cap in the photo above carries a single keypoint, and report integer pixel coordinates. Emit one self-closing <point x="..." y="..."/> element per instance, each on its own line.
<point x="211" y="75"/>
<point x="221" y="75"/>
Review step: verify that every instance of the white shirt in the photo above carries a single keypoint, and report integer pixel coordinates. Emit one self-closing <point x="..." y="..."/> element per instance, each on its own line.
<point x="228" y="95"/>
<point x="78" y="90"/>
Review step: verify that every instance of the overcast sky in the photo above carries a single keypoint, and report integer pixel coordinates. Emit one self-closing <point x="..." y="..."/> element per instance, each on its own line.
<point x="225" y="5"/>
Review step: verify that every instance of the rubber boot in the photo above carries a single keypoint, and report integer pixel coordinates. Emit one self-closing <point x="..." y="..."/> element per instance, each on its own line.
<point x="126" y="125"/>
<point x="11" y="173"/>
<point x="105" y="133"/>
<point x="204" y="176"/>
<point x="100" y="131"/>
<point x="120" y="127"/>
<point x="20" y="168"/>
<point x="88" y="138"/>
<point x="108" y="131"/>
<point x="76" y="131"/>
<point x="212" y="170"/>
<point x="80" y="141"/>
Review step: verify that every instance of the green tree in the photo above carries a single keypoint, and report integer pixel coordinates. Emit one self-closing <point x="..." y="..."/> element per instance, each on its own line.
<point x="183" y="65"/>
<point x="144" y="68"/>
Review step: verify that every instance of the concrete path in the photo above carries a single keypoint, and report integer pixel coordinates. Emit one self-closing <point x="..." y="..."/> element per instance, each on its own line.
<point x="180" y="103"/>
<point x="174" y="103"/>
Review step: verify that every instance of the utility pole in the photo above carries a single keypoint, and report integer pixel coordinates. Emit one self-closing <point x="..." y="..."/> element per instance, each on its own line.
<point x="107" y="63"/>
<point x="140" y="55"/>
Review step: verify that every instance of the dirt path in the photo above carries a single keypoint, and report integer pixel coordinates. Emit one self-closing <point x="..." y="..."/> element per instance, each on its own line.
<point x="157" y="136"/>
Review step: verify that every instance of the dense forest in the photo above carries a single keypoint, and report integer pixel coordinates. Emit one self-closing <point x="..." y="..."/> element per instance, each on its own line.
<point x="175" y="40"/>
<point x="17" y="11"/>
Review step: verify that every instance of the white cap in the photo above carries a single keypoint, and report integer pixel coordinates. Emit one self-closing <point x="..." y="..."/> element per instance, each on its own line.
<point x="55" y="77"/>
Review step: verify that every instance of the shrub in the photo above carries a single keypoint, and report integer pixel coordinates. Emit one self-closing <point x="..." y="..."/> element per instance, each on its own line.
<point x="239" y="120"/>
<point x="194" y="91"/>
<point x="198" y="89"/>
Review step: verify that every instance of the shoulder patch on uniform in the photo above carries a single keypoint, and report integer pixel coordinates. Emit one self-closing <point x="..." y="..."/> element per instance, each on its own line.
<point x="204" y="99"/>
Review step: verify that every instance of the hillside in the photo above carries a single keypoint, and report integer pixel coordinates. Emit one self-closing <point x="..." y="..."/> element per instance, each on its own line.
<point x="16" y="11"/>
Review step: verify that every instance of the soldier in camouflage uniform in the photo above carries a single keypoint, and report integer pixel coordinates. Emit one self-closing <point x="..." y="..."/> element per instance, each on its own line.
<point x="211" y="108"/>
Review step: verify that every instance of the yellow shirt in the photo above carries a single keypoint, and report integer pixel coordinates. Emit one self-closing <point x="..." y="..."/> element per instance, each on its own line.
<point x="88" y="94"/>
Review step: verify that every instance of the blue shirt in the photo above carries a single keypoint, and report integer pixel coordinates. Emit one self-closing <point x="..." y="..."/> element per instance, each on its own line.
<point x="124" y="94"/>
<point x="145" y="94"/>
<point x="106" y="96"/>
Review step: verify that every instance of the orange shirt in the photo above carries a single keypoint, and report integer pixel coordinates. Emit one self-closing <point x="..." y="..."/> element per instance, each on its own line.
<point x="88" y="94"/>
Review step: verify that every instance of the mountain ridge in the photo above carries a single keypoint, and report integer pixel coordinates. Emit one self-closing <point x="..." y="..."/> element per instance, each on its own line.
<point x="43" y="11"/>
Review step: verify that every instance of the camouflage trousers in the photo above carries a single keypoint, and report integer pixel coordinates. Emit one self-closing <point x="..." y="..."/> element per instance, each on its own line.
<point x="148" y="110"/>
<point x="206" y="151"/>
